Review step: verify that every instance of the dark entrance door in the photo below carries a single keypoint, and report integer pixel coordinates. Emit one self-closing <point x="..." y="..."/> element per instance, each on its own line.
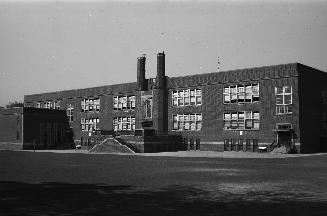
<point x="285" y="139"/>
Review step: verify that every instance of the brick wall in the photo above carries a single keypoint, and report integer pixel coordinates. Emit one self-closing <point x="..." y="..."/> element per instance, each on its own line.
<point x="212" y="134"/>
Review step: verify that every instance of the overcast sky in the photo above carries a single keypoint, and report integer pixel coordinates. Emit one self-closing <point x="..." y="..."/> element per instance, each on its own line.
<point x="59" y="45"/>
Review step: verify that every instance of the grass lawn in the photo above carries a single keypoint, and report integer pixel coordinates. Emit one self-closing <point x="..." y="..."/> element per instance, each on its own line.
<point x="94" y="184"/>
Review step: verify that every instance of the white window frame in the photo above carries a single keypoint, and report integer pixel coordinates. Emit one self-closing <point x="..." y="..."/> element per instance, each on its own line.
<point x="240" y="120"/>
<point x="70" y="112"/>
<point x="124" y="102"/>
<point x="241" y="93"/>
<point x="145" y="113"/>
<point x="283" y="107"/>
<point x="90" y="105"/>
<point x="123" y="123"/>
<point x="90" y="124"/>
<point x="186" y="97"/>
<point x="187" y="122"/>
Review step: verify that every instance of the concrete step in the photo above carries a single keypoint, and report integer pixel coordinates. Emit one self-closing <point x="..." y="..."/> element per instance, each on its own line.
<point x="111" y="145"/>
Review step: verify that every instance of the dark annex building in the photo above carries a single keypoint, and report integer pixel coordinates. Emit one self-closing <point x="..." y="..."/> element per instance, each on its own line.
<point x="237" y="110"/>
<point x="32" y="128"/>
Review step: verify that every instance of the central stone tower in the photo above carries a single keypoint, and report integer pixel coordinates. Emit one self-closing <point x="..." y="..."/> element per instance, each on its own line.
<point x="160" y="98"/>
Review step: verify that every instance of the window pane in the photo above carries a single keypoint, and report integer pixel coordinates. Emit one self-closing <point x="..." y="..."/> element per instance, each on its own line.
<point x="186" y="117"/>
<point x="227" y="124"/>
<point x="241" y="124"/>
<point x="198" y="100"/>
<point x="187" y="101"/>
<point x="233" y="124"/>
<point x="287" y="89"/>
<point x="279" y="99"/>
<point x="186" y="93"/>
<point x="256" y="124"/>
<point x="288" y="99"/>
<point x="192" y="100"/>
<point x="180" y="125"/>
<point x="233" y="98"/>
<point x="175" y="126"/>
<point x="193" y="125"/>
<point x="227" y="116"/>
<point x="198" y="125"/>
<point x="187" y="126"/>
<point x="226" y="98"/>
<point x="174" y="101"/>
<point x="180" y="102"/>
<point x="248" y="124"/>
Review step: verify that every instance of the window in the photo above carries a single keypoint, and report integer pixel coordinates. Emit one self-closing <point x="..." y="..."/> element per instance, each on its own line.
<point x="146" y="107"/>
<point x="56" y="105"/>
<point x="241" y="93"/>
<point x="124" y="123"/>
<point x="70" y="112"/>
<point x="48" y="105"/>
<point x="90" y="124"/>
<point x="191" y="122"/>
<point x="124" y="102"/>
<point x="284" y="126"/>
<point x="284" y="100"/>
<point x="187" y="97"/>
<point x="90" y="105"/>
<point x="247" y="120"/>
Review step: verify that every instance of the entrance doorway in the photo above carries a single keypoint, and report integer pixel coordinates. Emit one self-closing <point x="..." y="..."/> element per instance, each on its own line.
<point x="284" y="138"/>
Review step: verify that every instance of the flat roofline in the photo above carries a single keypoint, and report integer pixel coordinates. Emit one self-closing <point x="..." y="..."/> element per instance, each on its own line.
<point x="295" y="64"/>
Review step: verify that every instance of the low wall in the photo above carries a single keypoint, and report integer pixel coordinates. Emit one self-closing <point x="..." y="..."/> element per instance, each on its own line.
<point x="10" y="146"/>
<point x="149" y="144"/>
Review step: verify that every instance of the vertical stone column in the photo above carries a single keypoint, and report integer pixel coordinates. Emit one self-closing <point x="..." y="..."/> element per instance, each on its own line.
<point x="160" y="97"/>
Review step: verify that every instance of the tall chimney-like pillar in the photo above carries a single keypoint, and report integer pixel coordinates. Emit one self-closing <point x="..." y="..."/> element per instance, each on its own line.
<point x="160" y="99"/>
<point x="141" y="82"/>
<point x="161" y="77"/>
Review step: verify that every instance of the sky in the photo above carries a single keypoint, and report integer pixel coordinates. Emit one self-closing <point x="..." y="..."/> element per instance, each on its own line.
<point x="50" y="45"/>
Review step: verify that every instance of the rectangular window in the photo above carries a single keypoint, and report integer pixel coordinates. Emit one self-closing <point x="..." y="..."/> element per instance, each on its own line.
<point x="146" y="107"/>
<point x="124" y="123"/>
<point x="187" y="97"/>
<point x="90" y="105"/>
<point x="246" y="120"/>
<point x="248" y="93"/>
<point x="192" y="122"/>
<point x="56" y="105"/>
<point x="48" y="105"/>
<point x="284" y="99"/>
<point x="90" y="124"/>
<point x="70" y="112"/>
<point x="124" y="102"/>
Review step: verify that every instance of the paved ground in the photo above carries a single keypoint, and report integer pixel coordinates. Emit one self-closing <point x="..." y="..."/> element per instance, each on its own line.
<point x="46" y="183"/>
<point x="205" y="154"/>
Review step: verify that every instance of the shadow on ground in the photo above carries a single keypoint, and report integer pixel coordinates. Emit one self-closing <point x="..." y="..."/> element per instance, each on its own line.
<point x="87" y="199"/>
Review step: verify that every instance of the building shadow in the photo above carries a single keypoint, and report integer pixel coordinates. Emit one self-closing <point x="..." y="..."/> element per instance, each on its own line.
<point x="53" y="198"/>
